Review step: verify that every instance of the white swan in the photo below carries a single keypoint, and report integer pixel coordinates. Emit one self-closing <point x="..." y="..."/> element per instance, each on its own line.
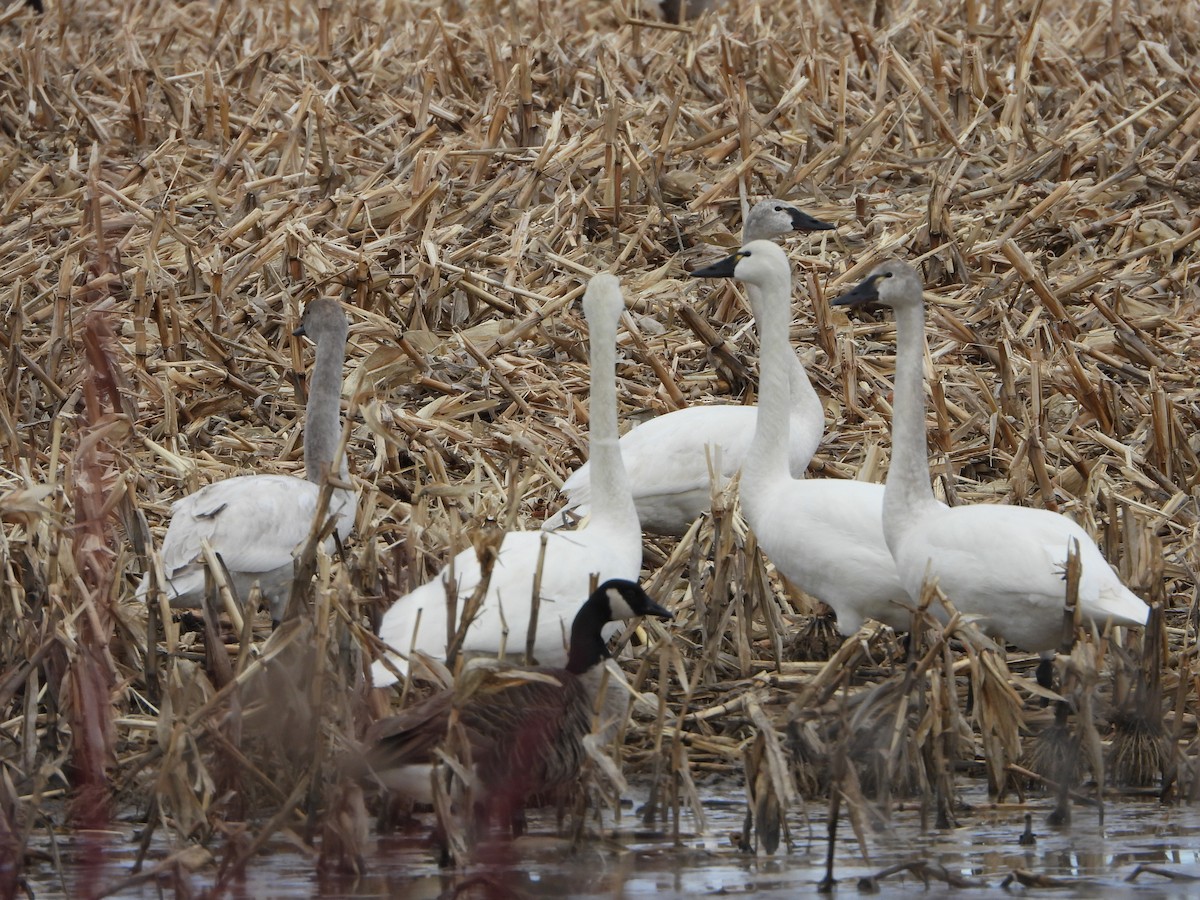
<point x="668" y="457"/>
<point x="824" y="535"/>
<point x="255" y="522"/>
<point x="610" y="546"/>
<point x="1002" y="564"/>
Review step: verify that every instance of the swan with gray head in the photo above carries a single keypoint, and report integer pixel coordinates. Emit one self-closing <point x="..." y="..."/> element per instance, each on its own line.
<point x="670" y="457"/>
<point x="254" y="523"/>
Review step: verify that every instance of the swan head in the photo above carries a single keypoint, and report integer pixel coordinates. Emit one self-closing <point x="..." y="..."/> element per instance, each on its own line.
<point x="893" y="283"/>
<point x="603" y="301"/>
<point x="626" y="599"/>
<point x="774" y="218"/>
<point x="758" y="263"/>
<point x="323" y="316"/>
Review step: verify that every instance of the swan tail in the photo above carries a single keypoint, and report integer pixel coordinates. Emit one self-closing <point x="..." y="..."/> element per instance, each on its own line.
<point x="383" y="676"/>
<point x="1122" y="606"/>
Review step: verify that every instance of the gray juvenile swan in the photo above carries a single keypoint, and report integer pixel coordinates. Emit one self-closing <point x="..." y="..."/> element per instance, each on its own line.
<point x="525" y="733"/>
<point x="668" y="457"/>
<point x="824" y="535"/>
<point x="254" y="522"/>
<point x="1002" y="564"/>
<point x="610" y="546"/>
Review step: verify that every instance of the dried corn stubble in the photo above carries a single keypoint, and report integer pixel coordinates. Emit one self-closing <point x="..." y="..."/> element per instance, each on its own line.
<point x="201" y="171"/>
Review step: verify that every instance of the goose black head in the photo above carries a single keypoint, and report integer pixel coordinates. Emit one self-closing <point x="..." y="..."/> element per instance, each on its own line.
<point x="626" y="599"/>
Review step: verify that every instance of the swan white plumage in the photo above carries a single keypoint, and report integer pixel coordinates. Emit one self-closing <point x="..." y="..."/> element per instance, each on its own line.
<point x="255" y="522"/>
<point x="1004" y="565"/>
<point x="824" y="535"/>
<point x="610" y="546"/>
<point x="669" y="457"/>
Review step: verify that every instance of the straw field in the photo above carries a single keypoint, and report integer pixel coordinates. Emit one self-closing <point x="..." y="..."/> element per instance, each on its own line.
<point x="179" y="179"/>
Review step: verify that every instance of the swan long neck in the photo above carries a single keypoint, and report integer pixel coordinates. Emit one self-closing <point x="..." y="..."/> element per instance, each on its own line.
<point x="612" y="500"/>
<point x="805" y="404"/>
<point x="323" y="416"/>
<point x="908" y="487"/>
<point x="768" y="455"/>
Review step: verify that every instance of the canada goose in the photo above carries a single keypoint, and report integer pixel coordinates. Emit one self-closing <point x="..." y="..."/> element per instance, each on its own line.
<point x="255" y="522"/>
<point x="668" y="457"/>
<point x="524" y="725"/>
<point x="609" y="547"/>
<point x="1002" y="564"/>
<point x="824" y="535"/>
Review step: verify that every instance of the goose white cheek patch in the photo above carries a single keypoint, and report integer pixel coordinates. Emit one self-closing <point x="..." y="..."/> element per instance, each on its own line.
<point x="618" y="605"/>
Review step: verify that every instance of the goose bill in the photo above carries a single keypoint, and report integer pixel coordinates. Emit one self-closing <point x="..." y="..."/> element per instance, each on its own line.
<point x="866" y="291"/>
<point x="722" y="269"/>
<point x="660" y="612"/>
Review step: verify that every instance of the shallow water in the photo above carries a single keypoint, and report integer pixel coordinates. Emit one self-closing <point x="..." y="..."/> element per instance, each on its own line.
<point x="631" y="861"/>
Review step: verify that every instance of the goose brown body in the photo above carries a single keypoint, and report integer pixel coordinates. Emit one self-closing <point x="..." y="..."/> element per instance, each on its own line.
<point x="524" y="725"/>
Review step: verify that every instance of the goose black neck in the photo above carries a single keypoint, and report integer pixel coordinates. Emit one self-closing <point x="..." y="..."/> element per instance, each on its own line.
<point x="588" y="647"/>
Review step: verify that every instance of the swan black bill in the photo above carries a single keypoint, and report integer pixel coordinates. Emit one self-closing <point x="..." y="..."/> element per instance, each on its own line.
<point x="866" y="291"/>
<point x="722" y="269"/>
<point x="802" y="221"/>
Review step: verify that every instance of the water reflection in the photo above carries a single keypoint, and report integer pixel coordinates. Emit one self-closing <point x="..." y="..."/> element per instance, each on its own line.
<point x="629" y="861"/>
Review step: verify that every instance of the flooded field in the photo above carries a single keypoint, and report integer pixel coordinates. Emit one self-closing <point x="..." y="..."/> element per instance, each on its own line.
<point x="983" y="855"/>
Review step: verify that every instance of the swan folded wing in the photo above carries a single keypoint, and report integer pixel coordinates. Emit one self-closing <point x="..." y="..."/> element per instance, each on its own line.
<point x="254" y="522"/>
<point x="1000" y="566"/>
<point x="569" y="562"/>
<point x="674" y="453"/>
<point x="670" y="454"/>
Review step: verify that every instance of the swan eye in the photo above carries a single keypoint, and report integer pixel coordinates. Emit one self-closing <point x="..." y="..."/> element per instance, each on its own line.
<point x="779" y="209"/>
